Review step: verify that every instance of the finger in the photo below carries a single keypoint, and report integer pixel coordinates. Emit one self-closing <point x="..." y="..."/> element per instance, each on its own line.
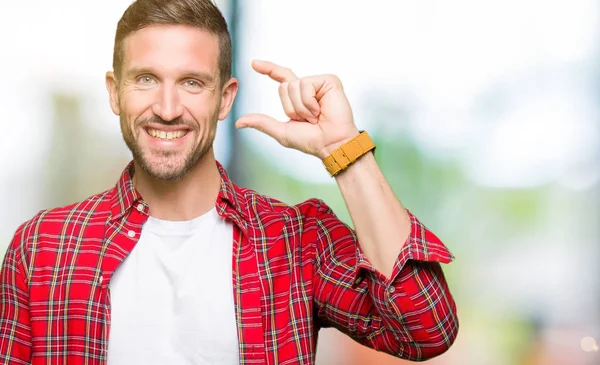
<point x="286" y="102"/>
<point x="265" y="124"/>
<point x="308" y="93"/>
<point x="296" y="97"/>
<point x="276" y="72"/>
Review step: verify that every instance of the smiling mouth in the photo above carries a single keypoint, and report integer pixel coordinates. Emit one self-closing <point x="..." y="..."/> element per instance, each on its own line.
<point x="166" y="135"/>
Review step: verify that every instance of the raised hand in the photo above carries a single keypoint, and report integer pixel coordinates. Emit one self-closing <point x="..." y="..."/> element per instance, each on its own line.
<point x="321" y="118"/>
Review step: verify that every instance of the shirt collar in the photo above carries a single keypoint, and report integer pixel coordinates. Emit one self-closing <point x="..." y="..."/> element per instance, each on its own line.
<point x="124" y="194"/>
<point x="231" y="200"/>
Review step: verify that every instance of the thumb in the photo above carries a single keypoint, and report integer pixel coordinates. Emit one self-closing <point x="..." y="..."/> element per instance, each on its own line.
<point x="265" y="124"/>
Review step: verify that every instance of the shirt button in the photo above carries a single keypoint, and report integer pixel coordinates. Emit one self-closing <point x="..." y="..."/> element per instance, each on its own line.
<point x="358" y="280"/>
<point x="140" y="207"/>
<point x="100" y="279"/>
<point x="131" y="234"/>
<point x="392" y="289"/>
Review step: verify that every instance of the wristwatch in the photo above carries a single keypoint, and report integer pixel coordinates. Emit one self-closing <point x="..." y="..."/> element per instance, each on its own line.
<point x="348" y="153"/>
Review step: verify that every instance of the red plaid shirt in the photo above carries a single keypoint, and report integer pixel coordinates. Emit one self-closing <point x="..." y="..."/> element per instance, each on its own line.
<point x="295" y="269"/>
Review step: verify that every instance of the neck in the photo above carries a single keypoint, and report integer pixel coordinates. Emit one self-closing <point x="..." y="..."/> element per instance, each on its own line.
<point x="184" y="199"/>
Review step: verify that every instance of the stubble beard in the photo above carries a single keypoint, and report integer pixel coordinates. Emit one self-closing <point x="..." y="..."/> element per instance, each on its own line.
<point x="164" y="165"/>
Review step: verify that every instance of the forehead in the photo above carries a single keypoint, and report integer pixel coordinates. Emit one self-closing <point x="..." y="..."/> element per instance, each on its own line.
<point x="171" y="48"/>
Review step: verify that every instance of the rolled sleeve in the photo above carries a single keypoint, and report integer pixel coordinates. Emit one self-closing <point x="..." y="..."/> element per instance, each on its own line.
<point x="410" y="315"/>
<point x="414" y="302"/>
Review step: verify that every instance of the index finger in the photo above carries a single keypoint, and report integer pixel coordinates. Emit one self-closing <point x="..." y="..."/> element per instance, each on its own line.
<point x="276" y="72"/>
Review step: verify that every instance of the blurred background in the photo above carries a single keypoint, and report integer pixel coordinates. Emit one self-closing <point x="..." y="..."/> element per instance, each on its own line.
<point x="486" y="115"/>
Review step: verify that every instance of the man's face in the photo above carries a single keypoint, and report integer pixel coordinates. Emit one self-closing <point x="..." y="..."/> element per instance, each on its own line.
<point x="169" y="97"/>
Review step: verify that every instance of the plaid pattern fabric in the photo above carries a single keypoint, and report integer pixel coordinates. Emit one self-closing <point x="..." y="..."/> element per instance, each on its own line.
<point x="295" y="269"/>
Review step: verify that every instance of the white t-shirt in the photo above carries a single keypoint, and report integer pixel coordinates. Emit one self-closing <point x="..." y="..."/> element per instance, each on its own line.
<point x="172" y="298"/>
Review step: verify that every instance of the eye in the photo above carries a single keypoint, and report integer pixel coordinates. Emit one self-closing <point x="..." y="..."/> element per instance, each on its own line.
<point x="146" y="79"/>
<point x="192" y="83"/>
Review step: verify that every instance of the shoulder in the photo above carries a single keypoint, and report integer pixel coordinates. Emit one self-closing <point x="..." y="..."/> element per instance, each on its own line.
<point x="48" y="227"/>
<point x="310" y="209"/>
<point x="51" y="222"/>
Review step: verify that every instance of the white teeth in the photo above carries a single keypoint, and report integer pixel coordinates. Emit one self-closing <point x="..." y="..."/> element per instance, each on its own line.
<point x="166" y="135"/>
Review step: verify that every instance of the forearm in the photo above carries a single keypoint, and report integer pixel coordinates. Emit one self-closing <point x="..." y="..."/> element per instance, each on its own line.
<point x="380" y="221"/>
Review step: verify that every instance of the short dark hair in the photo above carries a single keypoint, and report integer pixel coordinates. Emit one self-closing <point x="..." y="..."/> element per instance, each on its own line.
<point x="202" y="14"/>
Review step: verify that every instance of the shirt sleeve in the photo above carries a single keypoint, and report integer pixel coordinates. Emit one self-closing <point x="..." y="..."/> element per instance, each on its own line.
<point x="15" y="327"/>
<point x="410" y="315"/>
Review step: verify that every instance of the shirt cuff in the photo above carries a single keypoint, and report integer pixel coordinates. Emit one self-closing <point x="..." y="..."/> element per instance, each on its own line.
<point x="421" y="245"/>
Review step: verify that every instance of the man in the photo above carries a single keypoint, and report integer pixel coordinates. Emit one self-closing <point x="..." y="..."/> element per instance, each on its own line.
<point x="178" y="265"/>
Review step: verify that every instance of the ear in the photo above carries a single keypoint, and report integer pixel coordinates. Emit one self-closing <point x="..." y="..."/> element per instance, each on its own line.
<point x="228" y="93"/>
<point x="112" y="86"/>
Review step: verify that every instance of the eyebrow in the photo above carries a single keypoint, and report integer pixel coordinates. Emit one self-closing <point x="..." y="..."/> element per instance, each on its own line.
<point x="200" y="75"/>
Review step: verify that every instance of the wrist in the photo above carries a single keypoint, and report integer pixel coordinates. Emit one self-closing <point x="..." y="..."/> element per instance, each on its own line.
<point x="327" y="150"/>
<point x="360" y="166"/>
<point x="348" y="152"/>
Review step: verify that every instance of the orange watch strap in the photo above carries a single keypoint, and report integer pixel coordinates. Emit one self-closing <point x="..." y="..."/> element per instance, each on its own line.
<point x="349" y="152"/>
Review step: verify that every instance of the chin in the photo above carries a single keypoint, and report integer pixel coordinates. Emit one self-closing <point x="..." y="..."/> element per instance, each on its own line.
<point x="166" y="174"/>
<point x="166" y="165"/>
<point x="169" y="167"/>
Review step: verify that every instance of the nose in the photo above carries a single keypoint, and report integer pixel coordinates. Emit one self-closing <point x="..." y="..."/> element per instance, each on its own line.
<point x="168" y="105"/>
